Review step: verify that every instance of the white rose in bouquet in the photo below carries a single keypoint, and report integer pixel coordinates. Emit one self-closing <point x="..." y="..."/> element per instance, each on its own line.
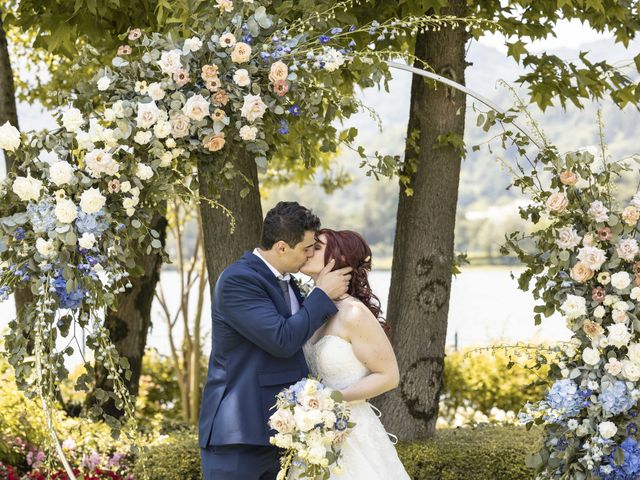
<point x="66" y="211"/>
<point x="598" y="211"/>
<point x="253" y="108"/>
<point x="613" y="367"/>
<point x="144" y="171"/>
<point x="45" y="247"/>
<point x="619" y="335"/>
<point x="155" y="91"/>
<point x="143" y="137"/>
<point x="61" y="173"/>
<point x="599" y="311"/>
<point x="87" y="240"/>
<point x="248" y="133"/>
<point x="241" y="77"/>
<point x="282" y="421"/>
<point x="568" y="238"/>
<point x="99" y="161"/>
<point x="162" y="129"/>
<point x="592" y="257"/>
<point x="620" y="280"/>
<point x="196" y="108"/>
<point x="91" y="200"/>
<point x="193" y="44"/>
<point x="306" y="419"/>
<point x="630" y="370"/>
<point x="148" y="114"/>
<point x="27" y="188"/>
<point x="170" y="61"/>
<point x="9" y="137"/>
<point x="591" y="356"/>
<point x="574" y="307"/>
<point x="72" y="119"/>
<point x="633" y="353"/>
<point x="627" y="249"/>
<point x="607" y="429"/>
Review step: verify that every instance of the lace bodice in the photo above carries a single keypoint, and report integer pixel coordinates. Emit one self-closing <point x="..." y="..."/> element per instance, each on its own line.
<point x="332" y="360"/>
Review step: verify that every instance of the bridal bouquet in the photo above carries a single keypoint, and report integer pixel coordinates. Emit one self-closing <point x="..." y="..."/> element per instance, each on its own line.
<point x="312" y="421"/>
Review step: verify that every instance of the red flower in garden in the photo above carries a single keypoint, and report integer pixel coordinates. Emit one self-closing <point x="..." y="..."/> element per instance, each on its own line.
<point x="604" y="233"/>
<point x="7" y="472"/>
<point x="598" y="294"/>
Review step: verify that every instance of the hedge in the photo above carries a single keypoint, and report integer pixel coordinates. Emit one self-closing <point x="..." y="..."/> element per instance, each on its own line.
<point x="483" y="453"/>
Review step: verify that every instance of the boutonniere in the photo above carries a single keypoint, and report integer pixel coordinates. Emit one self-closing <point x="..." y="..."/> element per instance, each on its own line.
<point x="304" y="287"/>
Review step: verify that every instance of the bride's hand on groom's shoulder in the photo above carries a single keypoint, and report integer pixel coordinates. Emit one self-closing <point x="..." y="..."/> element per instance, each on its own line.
<point x="334" y="283"/>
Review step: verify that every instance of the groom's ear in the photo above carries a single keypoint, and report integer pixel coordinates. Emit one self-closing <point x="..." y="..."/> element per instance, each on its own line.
<point x="280" y="246"/>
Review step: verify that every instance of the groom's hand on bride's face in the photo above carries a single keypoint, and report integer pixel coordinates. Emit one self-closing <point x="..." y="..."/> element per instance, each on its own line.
<point x="335" y="284"/>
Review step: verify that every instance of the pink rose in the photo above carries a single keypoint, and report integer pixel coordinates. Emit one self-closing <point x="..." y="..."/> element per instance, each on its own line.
<point x="557" y="202"/>
<point x="569" y="178"/>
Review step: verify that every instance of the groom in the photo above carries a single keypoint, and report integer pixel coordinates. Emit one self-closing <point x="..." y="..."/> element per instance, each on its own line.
<point x="260" y="323"/>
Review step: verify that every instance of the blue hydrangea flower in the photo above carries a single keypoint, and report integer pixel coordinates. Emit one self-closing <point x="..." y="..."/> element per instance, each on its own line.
<point x="565" y="398"/>
<point x="72" y="299"/>
<point x="630" y="468"/>
<point x="42" y="216"/>
<point x="91" y="223"/>
<point x="615" y="398"/>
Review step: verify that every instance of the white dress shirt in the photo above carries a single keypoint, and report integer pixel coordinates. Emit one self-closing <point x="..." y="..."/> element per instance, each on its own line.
<point x="295" y="306"/>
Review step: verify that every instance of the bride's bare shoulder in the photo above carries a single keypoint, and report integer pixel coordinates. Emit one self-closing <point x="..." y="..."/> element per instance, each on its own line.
<point x="356" y="316"/>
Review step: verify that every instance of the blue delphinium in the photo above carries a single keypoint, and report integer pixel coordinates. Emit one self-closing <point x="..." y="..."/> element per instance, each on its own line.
<point x="91" y="223"/>
<point x="565" y="397"/>
<point x="42" y="215"/>
<point x="324" y="39"/>
<point x="284" y="127"/>
<point x="630" y="468"/>
<point x="294" y="110"/>
<point x="72" y="299"/>
<point x="615" y="398"/>
<point x="4" y="293"/>
<point x="19" y="234"/>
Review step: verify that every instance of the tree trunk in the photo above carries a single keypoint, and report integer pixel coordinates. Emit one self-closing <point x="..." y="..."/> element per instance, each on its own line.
<point x="221" y="247"/>
<point x="424" y="242"/>
<point x="129" y="325"/>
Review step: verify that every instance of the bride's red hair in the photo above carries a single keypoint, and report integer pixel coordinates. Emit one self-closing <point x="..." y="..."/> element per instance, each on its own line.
<point x="349" y="249"/>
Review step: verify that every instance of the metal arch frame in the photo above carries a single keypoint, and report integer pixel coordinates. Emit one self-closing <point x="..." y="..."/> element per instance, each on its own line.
<point x="462" y="88"/>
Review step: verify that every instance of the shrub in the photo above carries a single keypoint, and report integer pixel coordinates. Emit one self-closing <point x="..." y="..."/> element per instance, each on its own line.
<point x="486" y="453"/>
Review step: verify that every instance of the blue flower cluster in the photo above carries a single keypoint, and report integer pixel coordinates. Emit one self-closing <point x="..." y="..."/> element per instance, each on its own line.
<point x="630" y="468"/>
<point x="565" y="397"/>
<point x="72" y="299"/>
<point x="91" y="223"/>
<point x="42" y="216"/>
<point x="615" y="398"/>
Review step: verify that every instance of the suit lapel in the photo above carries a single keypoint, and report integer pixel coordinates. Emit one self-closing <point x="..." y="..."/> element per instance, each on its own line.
<point x="296" y="290"/>
<point x="261" y="268"/>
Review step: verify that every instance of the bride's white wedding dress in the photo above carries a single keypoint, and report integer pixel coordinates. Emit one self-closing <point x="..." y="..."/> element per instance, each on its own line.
<point x="367" y="453"/>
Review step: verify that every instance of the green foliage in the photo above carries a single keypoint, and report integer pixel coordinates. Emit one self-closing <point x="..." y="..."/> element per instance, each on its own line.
<point x="471" y="454"/>
<point x="174" y="457"/>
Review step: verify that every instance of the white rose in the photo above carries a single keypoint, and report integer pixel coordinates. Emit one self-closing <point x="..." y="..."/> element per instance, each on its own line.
<point x="591" y="356"/>
<point x="125" y="186"/>
<point x="165" y="159"/>
<point x="170" y="61"/>
<point x="613" y="367"/>
<point x="599" y="311"/>
<point x="248" y="133"/>
<point x="118" y="109"/>
<point x="196" y="107"/>
<point x="630" y="370"/>
<point x="171" y="143"/>
<point x="66" y="211"/>
<point x="27" y="188"/>
<point x="9" y="137"/>
<point x="592" y="257"/>
<point x="568" y="238"/>
<point x="84" y="140"/>
<point x="282" y="421"/>
<point x="72" y="119"/>
<point x="87" y="240"/>
<point x="619" y="316"/>
<point x="627" y="249"/>
<point x="61" y="173"/>
<point x="91" y="200"/>
<point x="143" y="137"/>
<point x="607" y="429"/>
<point x="635" y="293"/>
<point x="99" y="161"/>
<point x="333" y="59"/>
<point x="241" y="77"/>
<point x="193" y="44"/>
<point x="45" y="247"/>
<point x="144" y="172"/>
<point x="574" y="307"/>
<point x="148" y="114"/>
<point x="316" y="455"/>
<point x="611" y="299"/>
<point x="253" y="108"/>
<point x="155" y="91"/>
<point x="621" y="305"/>
<point x="620" y="280"/>
<point x="109" y="114"/>
<point x="598" y="211"/>
<point x="130" y="202"/>
<point x="306" y="420"/>
<point x="633" y="353"/>
<point x="103" y="83"/>
<point x="619" y="335"/>
<point x="162" y="129"/>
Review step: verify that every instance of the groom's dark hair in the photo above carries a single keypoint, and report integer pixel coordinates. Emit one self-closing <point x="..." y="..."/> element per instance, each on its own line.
<point x="287" y="221"/>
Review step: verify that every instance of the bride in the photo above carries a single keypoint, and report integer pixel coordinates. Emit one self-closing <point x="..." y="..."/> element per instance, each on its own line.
<point x="351" y="353"/>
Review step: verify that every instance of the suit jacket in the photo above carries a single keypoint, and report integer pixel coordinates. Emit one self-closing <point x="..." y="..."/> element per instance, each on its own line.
<point x="256" y="351"/>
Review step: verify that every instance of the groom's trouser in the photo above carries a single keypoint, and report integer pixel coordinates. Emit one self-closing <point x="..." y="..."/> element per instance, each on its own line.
<point x="240" y="462"/>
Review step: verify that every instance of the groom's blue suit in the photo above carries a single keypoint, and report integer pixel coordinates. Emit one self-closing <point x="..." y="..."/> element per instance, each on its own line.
<point x="256" y="352"/>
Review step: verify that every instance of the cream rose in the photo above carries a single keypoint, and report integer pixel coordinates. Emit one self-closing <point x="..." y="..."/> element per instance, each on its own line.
<point x="155" y="91"/>
<point x="581" y="273"/>
<point x="569" y="178"/>
<point x="45" y="247"/>
<point x="9" y="137"/>
<point x="619" y="335"/>
<point x="607" y="429"/>
<point x="196" y="107"/>
<point x="568" y="238"/>
<point x="620" y="280"/>
<point x="91" y="200"/>
<point x="170" y="61"/>
<point x="241" y="53"/>
<point x="592" y="257"/>
<point x="103" y="83"/>
<point x="633" y="353"/>
<point x="599" y="311"/>
<point x="180" y="125"/>
<point x="557" y="202"/>
<point x="278" y="72"/>
<point x="61" y="173"/>
<point x="248" y="133"/>
<point x="619" y="316"/>
<point x="630" y="370"/>
<point x="72" y="119"/>
<point x="282" y="421"/>
<point x="574" y="307"/>
<point x="66" y="211"/>
<point x="598" y="211"/>
<point x="87" y="240"/>
<point x="99" y="161"/>
<point x="193" y="44"/>
<point x="253" y="108"/>
<point x="162" y="129"/>
<point x="148" y="114"/>
<point x="27" y="188"/>
<point x="627" y="249"/>
<point x="144" y="171"/>
<point x="241" y="77"/>
<point x="630" y="215"/>
<point x="591" y="356"/>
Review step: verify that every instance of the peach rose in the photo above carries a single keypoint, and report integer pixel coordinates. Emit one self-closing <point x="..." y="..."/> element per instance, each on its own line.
<point x="278" y="72"/>
<point x="241" y="53"/>
<point x="209" y="72"/>
<point x="592" y="329"/>
<point x="557" y="202"/>
<point x="220" y="98"/>
<point x="630" y="215"/>
<point x="581" y="273"/>
<point x="569" y="178"/>
<point x="215" y="142"/>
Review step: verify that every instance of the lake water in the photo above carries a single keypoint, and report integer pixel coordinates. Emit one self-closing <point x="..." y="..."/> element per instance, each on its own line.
<point x="485" y="308"/>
